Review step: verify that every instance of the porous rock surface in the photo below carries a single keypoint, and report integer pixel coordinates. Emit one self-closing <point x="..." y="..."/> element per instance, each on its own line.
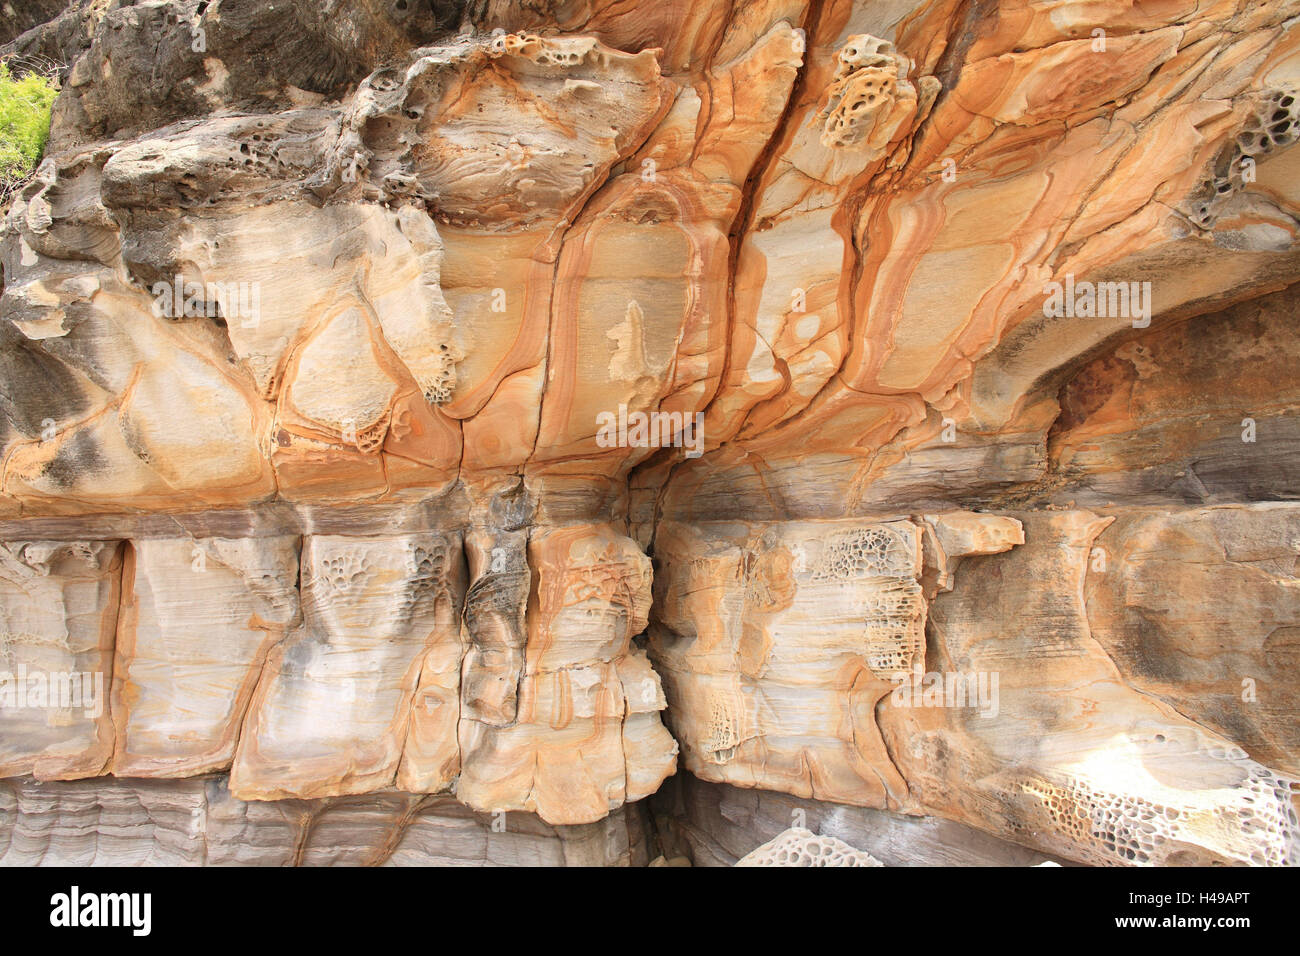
<point x="800" y="847"/>
<point x="314" y="316"/>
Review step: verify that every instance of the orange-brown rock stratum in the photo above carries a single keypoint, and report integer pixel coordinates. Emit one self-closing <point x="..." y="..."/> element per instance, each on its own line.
<point x="872" y="418"/>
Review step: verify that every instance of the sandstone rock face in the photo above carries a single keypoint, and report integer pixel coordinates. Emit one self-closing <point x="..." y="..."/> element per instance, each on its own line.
<point x="60" y="606"/>
<point x="421" y="415"/>
<point x="777" y="643"/>
<point x="350" y="681"/>
<point x="1120" y="772"/>
<point x="197" y="822"/>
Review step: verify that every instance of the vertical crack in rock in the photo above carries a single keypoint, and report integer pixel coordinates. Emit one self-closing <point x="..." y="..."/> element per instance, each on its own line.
<point x="744" y="220"/>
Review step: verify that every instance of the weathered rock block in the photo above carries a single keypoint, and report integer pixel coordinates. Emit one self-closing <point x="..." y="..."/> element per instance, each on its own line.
<point x="586" y="734"/>
<point x="59" y="604"/>
<point x="777" y="643"/>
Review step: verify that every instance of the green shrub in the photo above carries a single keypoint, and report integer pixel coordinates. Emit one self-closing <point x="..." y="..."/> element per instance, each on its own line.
<point x="25" y="105"/>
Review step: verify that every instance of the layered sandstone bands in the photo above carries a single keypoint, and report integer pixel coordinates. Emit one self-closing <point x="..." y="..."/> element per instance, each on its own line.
<point x="303" y="359"/>
<point x="198" y="822"/>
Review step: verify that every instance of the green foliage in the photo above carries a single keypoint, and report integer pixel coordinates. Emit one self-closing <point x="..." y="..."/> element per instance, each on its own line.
<point x="25" y="106"/>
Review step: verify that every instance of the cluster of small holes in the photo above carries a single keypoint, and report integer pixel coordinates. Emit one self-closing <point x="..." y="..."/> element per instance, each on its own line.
<point x="426" y="569"/>
<point x="724" y="729"/>
<point x="864" y="552"/>
<point x="440" y="389"/>
<point x="851" y="110"/>
<point x="518" y="44"/>
<point x="1273" y="124"/>
<point x="10" y="639"/>
<point x="251" y="153"/>
<point x="1126" y="826"/>
<point x="799" y="847"/>
<point x="895" y="629"/>
<point x="1108" y="828"/>
<point x="425" y="564"/>
<point x="1268" y="815"/>
<point x="559" y="58"/>
<point x="861" y="51"/>
<point x="343" y="571"/>
<point x="894" y="622"/>
<point x="1105" y="828"/>
<point x="371" y="438"/>
<point x="255" y="155"/>
<point x="866" y="81"/>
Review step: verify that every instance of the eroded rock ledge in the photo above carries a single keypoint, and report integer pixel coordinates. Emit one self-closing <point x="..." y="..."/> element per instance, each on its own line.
<point x="310" y="318"/>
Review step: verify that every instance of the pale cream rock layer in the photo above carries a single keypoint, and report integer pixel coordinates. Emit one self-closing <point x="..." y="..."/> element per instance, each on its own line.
<point x="59" y="604"/>
<point x="199" y="618"/>
<point x="369" y="683"/>
<point x="779" y="641"/>
<point x="335" y="664"/>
